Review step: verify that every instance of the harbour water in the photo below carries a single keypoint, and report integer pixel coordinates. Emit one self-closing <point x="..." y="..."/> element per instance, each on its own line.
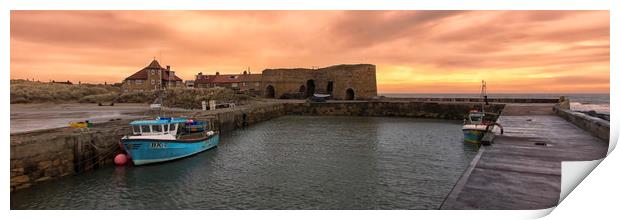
<point x="291" y="162"/>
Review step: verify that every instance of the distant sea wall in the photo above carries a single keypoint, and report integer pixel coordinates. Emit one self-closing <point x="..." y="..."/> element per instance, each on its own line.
<point x="477" y="100"/>
<point x="438" y="110"/>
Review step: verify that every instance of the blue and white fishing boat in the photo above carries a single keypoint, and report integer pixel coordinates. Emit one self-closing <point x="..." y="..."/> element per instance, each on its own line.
<point x="479" y="127"/>
<point x="474" y="127"/>
<point x="164" y="139"/>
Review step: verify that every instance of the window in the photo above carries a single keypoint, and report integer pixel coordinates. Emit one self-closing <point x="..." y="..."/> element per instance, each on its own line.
<point x="234" y="85"/>
<point x="166" y="128"/>
<point x="152" y="82"/>
<point x="257" y="84"/>
<point x="156" y="128"/>
<point x="128" y="81"/>
<point x="173" y="127"/>
<point x="136" y="129"/>
<point x="475" y="118"/>
<point x="145" y="128"/>
<point x="138" y="82"/>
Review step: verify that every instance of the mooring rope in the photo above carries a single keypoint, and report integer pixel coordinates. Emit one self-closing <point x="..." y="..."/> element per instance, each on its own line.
<point x="101" y="152"/>
<point x="101" y="157"/>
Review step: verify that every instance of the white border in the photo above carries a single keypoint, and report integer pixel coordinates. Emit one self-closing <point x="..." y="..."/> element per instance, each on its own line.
<point x="591" y="198"/>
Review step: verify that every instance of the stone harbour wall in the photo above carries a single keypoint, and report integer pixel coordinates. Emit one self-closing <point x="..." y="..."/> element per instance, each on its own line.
<point x="595" y="126"/>
<point x="44" y="155"/>
<point x="232" y="118"/>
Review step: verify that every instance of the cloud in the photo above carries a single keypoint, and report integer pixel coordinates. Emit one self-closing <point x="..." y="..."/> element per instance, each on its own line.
<point x="366" y="28"/>
<point x="500" y="45"/>
<point x="84" y="29"/>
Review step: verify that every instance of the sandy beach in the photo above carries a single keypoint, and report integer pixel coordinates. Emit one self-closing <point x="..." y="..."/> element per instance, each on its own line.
<point x="30" y="117"/>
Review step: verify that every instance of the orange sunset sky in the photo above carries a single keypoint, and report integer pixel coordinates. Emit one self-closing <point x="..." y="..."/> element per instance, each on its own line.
<point x="414" y="51"/>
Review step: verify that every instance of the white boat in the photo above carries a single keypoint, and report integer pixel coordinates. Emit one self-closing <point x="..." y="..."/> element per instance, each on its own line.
<point x="474" y="127"/>
<point x="318" y="95"/>
<point x="479" y="127"/>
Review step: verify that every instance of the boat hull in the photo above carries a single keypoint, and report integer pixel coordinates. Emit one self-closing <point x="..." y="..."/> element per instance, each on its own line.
<point x="473" y="136"/>
<point x="147" y="151"/>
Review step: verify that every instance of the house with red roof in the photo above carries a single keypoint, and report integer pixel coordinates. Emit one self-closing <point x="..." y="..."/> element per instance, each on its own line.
<point x="150" y="78"/>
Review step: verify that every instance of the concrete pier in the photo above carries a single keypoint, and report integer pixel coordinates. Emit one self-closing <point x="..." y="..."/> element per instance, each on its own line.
<point x="522" y="169"/>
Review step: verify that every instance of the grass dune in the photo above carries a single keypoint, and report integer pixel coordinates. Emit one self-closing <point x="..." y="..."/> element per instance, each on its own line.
<point x="23" y="91"/>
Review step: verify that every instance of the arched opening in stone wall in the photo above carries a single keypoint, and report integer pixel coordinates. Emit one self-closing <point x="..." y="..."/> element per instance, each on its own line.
<point x="309" y="88"/>
<point x="330" y="87"/>
<point x="270" y="92"/>
<point x="350" y="94"/>
<point x="302" y="90"/>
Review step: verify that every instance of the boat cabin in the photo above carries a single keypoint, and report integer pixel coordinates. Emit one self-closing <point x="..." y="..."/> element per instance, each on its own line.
<point x="171" y="128"/>
<point x="475" y="117"/>
<point x="159" y="126"/>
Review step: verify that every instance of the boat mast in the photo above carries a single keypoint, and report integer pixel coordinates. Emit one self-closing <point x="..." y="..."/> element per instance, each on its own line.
<point x="483" y="95"/>
<point x="161" y="94"/>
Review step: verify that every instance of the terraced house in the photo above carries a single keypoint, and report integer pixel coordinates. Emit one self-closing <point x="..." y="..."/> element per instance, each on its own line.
<point x="242" y="83"/>
<point x="152" y="77"/>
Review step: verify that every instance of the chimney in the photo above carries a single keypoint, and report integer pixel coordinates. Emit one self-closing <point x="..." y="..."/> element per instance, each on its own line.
<point x="200" y="73"/>
<point x="168" y="67"/>
<point x="217" y="73"/>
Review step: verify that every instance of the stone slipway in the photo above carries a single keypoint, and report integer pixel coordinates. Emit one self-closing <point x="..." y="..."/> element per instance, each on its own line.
<point x="521" y="170"/>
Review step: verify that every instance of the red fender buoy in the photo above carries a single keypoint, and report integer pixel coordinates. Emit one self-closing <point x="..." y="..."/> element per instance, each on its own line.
<point x="120" y="159"/>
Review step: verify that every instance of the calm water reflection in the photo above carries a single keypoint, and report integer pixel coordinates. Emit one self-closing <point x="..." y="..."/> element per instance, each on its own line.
<point x="292" y="162"/>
